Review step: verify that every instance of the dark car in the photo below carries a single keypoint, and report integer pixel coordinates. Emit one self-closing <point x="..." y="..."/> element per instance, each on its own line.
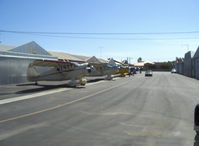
<point x="132" y="71"/>
<point x="196" y="119"/>
<point x="148" y="73"/>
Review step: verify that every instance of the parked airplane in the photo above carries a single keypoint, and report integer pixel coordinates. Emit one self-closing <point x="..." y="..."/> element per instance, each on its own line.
<point x="51" y="70"/>
<point x="123" y="69"/>
<point x="102" y="68"/>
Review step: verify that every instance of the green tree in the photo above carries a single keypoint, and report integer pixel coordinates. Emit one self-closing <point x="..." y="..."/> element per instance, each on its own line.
<point x="139" y="59"/>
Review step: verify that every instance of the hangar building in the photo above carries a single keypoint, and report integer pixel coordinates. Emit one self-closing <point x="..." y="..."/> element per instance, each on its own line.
<point x="188" y="68"/>
<point x="196" y="64"/>
<point x="180" y="66"/>
<point x="69" y="57"/>
<point x="15" y="60"/>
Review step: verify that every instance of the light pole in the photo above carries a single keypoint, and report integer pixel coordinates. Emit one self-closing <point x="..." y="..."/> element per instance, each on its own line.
<point x="100" y="51"/>
<point x="129" y="59"/>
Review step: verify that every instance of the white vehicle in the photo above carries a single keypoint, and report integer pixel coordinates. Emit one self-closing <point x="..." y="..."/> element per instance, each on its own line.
<point x="51" y="70"/>
<point x="148" y="73"/>
<point x="173" y="70"/>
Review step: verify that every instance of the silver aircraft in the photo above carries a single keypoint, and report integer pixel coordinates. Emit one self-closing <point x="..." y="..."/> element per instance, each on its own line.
<point x="102" y="68"/>
<point x="52" y="70"/>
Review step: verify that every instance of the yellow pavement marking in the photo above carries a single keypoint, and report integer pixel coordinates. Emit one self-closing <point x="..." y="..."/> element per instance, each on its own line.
<point x="59" y="105"/>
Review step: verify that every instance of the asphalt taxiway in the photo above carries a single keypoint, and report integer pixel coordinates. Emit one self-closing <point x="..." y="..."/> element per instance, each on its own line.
<point x="130" y="111"/>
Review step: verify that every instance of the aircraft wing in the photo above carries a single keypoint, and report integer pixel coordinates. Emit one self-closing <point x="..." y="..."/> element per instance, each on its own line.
<point x="50" y="63"/>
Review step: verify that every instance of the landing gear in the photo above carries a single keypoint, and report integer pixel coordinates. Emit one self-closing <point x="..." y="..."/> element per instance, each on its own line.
<point x="109" y="77"/>
<point x="36" y="83"/>
<point x="122" y="74"/>
<point x="83" y="82"/>
<point x="73" y="83"/>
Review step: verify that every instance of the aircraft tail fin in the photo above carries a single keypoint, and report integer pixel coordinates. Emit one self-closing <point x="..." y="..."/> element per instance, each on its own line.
<point x="111" y="62"/>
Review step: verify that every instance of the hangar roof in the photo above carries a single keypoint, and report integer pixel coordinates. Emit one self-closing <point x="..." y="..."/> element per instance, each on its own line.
<point x="66" y="56"/>
<point x="77" y="58"/>
<point x="85" y="58"/>
<point x="141" y="64"/>
<point x="103" y="60"/>
<point x="6" y="47"/>
<point x="96" y="60"/>
<point x="189" y="55"/>
<point x="112" y="62"/>
<point x="197" y="53"/>
<point x="30" y="48"/>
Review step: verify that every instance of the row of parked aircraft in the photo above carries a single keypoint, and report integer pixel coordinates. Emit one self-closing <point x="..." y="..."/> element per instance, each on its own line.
<point x="58" y="70"/>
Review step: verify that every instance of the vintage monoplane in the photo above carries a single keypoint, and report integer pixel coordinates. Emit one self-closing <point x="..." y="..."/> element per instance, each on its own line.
<point x="58" y="70"/>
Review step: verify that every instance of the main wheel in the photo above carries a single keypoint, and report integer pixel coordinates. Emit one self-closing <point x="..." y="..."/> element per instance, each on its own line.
<point x="83" y="82"/>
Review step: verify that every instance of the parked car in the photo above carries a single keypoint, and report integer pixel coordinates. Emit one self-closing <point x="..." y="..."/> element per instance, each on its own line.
<point x="173" y="70"/>
<point x="196" y="119"/>
<point x="148" y="73"/>
<point x="132" y="71"/>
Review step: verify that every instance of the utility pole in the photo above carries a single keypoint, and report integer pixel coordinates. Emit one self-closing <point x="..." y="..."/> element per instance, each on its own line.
<point x="129" y="59"/>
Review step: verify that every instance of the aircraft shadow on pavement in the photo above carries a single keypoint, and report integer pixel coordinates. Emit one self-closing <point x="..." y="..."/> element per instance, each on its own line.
<point x="94" y="80"/>
<point x="26" y="84"/>
<point x="196" y="143"/>
<point x="6" y="93"/>
<point x="46" y="87"/>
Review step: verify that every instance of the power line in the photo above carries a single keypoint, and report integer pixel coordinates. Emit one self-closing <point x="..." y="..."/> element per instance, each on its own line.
<point x="116" y="38"/>
<point x="99" y="33"/>
<point x="89" y="36"/>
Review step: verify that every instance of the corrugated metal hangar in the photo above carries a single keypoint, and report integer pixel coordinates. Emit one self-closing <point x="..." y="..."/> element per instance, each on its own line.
<point x="14" y="60"/>
<point x="189" y="65"/>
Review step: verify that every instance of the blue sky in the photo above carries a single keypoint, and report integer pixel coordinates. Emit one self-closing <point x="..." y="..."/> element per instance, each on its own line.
<point x="124" y="16"/>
